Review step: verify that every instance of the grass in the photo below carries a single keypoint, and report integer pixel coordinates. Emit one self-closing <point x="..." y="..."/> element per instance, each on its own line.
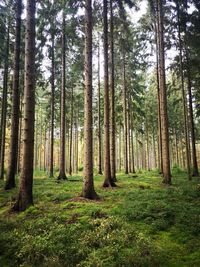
<point x="139" y="223"/>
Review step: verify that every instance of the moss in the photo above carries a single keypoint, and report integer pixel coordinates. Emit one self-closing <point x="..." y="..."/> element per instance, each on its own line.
<point x="139" y="223"/>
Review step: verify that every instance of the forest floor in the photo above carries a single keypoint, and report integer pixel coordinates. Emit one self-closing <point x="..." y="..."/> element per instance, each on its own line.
<point x="139" y="223"/>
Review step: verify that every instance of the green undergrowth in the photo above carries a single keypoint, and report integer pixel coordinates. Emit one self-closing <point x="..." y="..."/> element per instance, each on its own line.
<point x="141" y="222"/>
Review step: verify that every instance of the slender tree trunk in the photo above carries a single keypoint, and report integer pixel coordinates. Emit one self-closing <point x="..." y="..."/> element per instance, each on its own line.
<point x="120" y="142"/>
<point x="12" y="166"/>
<point x="163" y="99"/>
<point x="71" y="132"/>
<point x="107" y="171"/>
<point x="195" y="171"/>
<point x="160" y="161"/>
<point x="132" y="146"/>
<point x="129" y="137"/>
<point x="185" y="109"/>
<point x="177" y="152"/>
<point x="52" y="106"/>
<point x="147" y="138"/>
<point x="25" y="198"/>
<point x="88" y="183"/>
<point x="125" y="116"/>
<point x="62" y="174"/>
<point x="36" y="144"/>
<point x="99" y="115"/>
<point x="4" y="105"/>
<point x="20" y="141"/>
<point x="112" y="98"/>
<point x="44" y="155"/>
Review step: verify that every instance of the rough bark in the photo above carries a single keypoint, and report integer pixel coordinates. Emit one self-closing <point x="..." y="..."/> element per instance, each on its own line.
<point x="12" y="166"/>
<point x="62" y="174"/>
<point x="25" y="198"/>
<point x="71" y="132"/>
<point x="163" y="99"/>
<point x="99" y="116"/>
<point x="88" y="182"/>
<point x="195" y="171"/>
<point x="52" y="106"/>
<point x="107" y="171"/>
<point x="185" y="108"/>
<point x="112" y="98"/>
<point x="160" y="162"/>
<point x="4" y="105"/>
<point x="125" y="116"/>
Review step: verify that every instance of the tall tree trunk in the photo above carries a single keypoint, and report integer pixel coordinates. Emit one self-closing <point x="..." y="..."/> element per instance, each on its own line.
<point x="52" y="106"/>
<point x="147" y="139"/>
<point x="112" y="98"/>
<point x="62" y="174"/>
<point x="195" y="171"/>
<point x="88" y="183"/>
<point x="125" y="115"/>
<point x="107" y="171"/>
<point x="163" y="99"/>
<point x="12" y="166"/>
<point x="20" y="139"/>
<point x="132" y="146"/>
<point x="25" y="198"/>
<point x="4" y="105"/>
<point x="71" y="132"/>
<point x="160" y="161"/>
<point x="185" y="109"/>
<point x="120" y="145"/>
<point x="99" y="115"/>
<point x="129" y="137"/>
<point x="176" y="145"/>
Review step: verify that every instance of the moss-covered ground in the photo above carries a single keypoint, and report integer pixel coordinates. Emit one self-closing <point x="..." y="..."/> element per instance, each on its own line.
<point x="139" y="223"/>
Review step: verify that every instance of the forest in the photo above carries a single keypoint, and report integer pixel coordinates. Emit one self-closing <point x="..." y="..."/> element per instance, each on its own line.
<point x="99" y="133"/>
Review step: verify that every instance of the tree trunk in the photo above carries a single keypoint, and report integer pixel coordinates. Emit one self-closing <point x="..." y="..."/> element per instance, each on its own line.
<point x="4" y="105"/>
<point x="112" y="98"/>
<point x="107" y="171"/>
<point x="62" y="174"/>
<point x="52" y="107"/>
<point x="125" y="116"/>
<point x="195" y="171"/>
<point x="185" y="109"/>
<point x="25" y="198"/>
<point x="71" y="132"/>
<point x="132" y="146"/>
<point x="160" y="161"/>
<point x="12" y="166"/>
<point x="163" y="99"/>
<point x="99" y="115"/>
<point x="88" y="183"/>
<point x="20" y="139"/>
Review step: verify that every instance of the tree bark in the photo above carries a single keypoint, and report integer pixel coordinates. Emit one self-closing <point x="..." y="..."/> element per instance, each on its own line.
<point x="25" y="198"/>
<point x="185" y="109"/>
<point x="71" y="132"/>
<point x="163" y="99"/>
<point x="52" y="106"/>
<point x="112" y="98"/>
<point x="88" y="182"/>
<point x="4" y="104"/>
<point x="125" y="116"/>
<point x="99" y="115"/>
<point x="12" y="166"/>
<point x="107" y="171"/>
<point x="62" y="174"/>
<point x="160" y="161"/>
